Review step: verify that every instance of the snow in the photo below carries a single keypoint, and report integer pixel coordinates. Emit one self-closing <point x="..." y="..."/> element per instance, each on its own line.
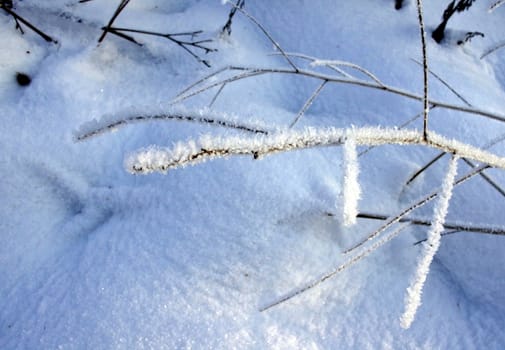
<point x="92" y="256"/>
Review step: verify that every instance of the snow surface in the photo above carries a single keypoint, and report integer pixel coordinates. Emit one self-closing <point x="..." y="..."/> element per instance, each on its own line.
<point x="93" y="257"/>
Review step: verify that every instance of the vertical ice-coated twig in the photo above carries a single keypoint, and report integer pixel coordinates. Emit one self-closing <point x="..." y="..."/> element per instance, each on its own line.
<point x="351" y="188"/>
<point x="414" y="291"/>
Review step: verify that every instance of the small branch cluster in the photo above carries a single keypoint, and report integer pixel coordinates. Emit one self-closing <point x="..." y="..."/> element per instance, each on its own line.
<point x="185" y="40"/>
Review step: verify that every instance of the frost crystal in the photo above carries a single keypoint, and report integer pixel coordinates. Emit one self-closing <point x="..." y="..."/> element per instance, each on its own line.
<point x="352" y="189"/>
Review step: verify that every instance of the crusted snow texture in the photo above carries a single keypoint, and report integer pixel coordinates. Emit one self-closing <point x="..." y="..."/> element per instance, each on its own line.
<point x="414" y="291"/>
<point x="351" y="188"/>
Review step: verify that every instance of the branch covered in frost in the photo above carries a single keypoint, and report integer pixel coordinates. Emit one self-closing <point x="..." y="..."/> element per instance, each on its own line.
<point x="414" y="292"/>
<point x="208" y="147"/>
<point x="351" y="188"/>
<point x="95" y="128"/>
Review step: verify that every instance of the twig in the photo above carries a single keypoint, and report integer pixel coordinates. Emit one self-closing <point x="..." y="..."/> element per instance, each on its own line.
<point x="426" y="166"/>
<point x="496" y="5"/>
<point x="179" y="117"/>
<point x="172" y="37"/>
<point x="493" y="49"/>
<point x="445" y="84"/>
<point x="267" y="34"/>
<point x="308" y="103"/>
<point x="448" y="226"/>
<point x="227" y="26"/>
<point x="106" y="29"/>
<point x="28" y="24"/>
<point x="337" y="270"/>
<point x="216" y="95"/>
<point x="426" y="104"/>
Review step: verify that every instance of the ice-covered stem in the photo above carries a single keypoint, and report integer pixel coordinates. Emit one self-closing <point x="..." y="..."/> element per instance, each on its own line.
<point x="426" y="104"/>
<point x="414" y="292"/>
<point x="351" y="188"/>
<point x="207" y="147"/>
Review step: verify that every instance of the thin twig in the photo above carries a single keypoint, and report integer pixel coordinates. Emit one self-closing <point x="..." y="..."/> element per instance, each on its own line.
<point x="216" y="95"/>
<point x="28" y="24"/>
<point x="337" y="270"/>
<point x="172" y="37"/>
<point x="308" y="103"/>
<point x="486" y="178"/>
<point x="496" y="5"/>
<point x="426" y="166"/>
<point x="179" y="117"/>
<point x="106" y="29"/>
<point x="442" y="235"/>
<point x="426" y="104"/>
<point x="448" y="226"/>
<point x="493" y="49"/>
<point x="445" y="84"/>
<point x="227" y="27"/>
<point x="267" y="34"/>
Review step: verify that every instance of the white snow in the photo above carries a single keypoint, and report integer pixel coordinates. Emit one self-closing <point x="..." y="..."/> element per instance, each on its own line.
<point x="94" y="257"/>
